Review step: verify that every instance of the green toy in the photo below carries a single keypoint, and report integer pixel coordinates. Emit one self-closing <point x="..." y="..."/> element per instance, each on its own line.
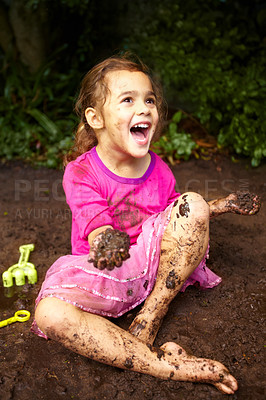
<point x="22" y="269"/>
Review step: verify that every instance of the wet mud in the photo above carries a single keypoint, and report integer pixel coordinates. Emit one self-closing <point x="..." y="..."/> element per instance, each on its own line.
<point x="184" y="209"/>
<point x="129" y="363"/>
<point x="137" y="327"/>
<point x="158" y="351"/>
<point x="225" y="323"/>
<point x="110" y="249"/>
<point x="241" y="202"/>
<point x="172" y="279"/>
<point x="247" y="202"/>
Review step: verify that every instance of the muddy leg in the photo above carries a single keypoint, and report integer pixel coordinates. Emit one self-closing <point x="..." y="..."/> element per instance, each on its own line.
<point x="243" y="203"/>
<point x="183" y="247"/>
<point x="97" y="338"/>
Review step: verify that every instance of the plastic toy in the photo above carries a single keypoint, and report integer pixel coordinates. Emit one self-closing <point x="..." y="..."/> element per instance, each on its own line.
<point x="20" y="316"/>
<point x="22" y="269"/>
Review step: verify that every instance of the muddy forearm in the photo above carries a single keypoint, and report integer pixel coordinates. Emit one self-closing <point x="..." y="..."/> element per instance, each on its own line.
<point x="217" y="207"/>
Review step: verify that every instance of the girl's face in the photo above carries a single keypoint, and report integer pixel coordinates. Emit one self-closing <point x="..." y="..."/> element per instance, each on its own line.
<point x="129" y="114"/>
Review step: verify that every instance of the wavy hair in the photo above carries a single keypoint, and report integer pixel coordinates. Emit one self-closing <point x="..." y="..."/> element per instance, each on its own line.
<point x="93" y="93"/>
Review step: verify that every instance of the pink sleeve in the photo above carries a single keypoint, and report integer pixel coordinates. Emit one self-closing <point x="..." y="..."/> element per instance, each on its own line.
<point x="89" y="209"/>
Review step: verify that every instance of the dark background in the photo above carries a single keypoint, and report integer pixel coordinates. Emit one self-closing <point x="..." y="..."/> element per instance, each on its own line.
<point x="209" y="55"/>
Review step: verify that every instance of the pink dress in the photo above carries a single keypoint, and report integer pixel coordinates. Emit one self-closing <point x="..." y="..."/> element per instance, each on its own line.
<point x="141" y="207"/>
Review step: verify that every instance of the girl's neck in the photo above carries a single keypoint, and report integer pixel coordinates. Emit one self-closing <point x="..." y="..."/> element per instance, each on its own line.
<point x="126" y="167"/>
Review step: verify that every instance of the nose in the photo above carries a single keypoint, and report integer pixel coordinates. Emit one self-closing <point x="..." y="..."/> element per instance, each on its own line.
<point x="142" y="108"/>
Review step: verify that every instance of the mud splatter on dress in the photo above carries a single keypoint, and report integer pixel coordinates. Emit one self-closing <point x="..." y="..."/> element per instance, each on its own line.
<point x="142" y="208"/>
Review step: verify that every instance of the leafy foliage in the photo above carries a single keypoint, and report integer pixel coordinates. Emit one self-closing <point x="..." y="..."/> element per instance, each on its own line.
<point x="34" y="123"/>
<point x="245" y="129"/>
<point x="175" y="145"/>
<point x="210" y="56"/>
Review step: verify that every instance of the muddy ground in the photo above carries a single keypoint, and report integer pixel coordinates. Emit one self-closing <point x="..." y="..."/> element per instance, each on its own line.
<point x="225" y="323"/>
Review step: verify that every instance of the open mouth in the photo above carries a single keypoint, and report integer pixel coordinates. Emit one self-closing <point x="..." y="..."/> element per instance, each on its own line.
<point x="140" y="132"/>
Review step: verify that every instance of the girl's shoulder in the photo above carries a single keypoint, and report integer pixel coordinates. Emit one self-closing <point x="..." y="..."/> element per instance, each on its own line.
<point x="83" y="161"/>
<point x="82" y="167"/>
<point x="83" y="158"/>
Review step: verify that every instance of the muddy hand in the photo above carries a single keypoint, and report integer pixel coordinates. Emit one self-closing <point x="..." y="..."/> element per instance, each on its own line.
<point x="244" y="203"/>
<point x="109" y="249"/>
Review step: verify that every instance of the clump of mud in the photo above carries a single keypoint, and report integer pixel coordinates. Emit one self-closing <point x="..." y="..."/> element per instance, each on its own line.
<point x="248" y="203"/>
<point x="110" y="248"/>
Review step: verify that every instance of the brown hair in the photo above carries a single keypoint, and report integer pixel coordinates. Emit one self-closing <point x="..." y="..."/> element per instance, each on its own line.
<point x="93" y="93"/>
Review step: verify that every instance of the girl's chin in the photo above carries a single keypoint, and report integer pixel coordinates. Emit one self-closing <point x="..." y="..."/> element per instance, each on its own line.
<point x="140" y="153"/>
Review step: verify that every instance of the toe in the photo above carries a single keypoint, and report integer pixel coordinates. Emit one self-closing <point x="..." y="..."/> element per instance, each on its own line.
<point x="223" y="388"/>
<point x="228" y="386"/>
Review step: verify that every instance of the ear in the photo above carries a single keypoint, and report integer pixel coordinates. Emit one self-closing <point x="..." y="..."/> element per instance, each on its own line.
<point x="94" y="118"/>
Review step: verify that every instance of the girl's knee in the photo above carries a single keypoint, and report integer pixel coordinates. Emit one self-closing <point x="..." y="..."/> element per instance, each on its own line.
<point x="191" y="205"/>
<point x="50" y="313"/>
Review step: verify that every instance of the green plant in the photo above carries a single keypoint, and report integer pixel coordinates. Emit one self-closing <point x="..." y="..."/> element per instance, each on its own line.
<point x="210" y="57"/>
<point x="174" y="144"/>
<point x="244" y="125"/>
<point x="36" y="122"/>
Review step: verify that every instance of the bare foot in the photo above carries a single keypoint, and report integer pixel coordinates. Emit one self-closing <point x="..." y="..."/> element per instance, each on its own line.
<point x="243" y="203"/>
<point x="195" y="369"/>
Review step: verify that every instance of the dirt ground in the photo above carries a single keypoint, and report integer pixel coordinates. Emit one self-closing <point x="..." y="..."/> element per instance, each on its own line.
<point x="225" y="323"/>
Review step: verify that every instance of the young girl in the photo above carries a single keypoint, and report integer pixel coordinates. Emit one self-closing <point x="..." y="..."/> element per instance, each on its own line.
<point x="120" y="192"/>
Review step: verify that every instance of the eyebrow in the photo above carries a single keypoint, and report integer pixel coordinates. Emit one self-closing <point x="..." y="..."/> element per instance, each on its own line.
<point x="134" y="92"/>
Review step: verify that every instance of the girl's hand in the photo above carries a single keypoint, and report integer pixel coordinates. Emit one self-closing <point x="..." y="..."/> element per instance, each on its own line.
<point x="109" y="249"/>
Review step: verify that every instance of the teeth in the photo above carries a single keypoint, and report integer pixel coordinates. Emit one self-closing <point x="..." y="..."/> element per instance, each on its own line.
<point x="144" y="126"/>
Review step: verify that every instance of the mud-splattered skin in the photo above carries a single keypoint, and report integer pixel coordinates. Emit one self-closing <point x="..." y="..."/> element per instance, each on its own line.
<point x="158" y="351"/>
<point x="184" y="208"/>
<point x="138" y="327"/>
<point x="109" y="249"/>
<point x="183" y="246"/>
<point x="172" y="279"/>
<point x="242" y="203"/>
<point x="129" y="363"/>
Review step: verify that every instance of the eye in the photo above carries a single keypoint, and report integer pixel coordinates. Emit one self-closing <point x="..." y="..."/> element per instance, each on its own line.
<point x="127" y="100"/>
<point x="151" y="100"/>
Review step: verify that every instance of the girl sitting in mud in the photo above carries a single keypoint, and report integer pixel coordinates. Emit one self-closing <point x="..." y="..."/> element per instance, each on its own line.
<point x="133" y="237"/>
